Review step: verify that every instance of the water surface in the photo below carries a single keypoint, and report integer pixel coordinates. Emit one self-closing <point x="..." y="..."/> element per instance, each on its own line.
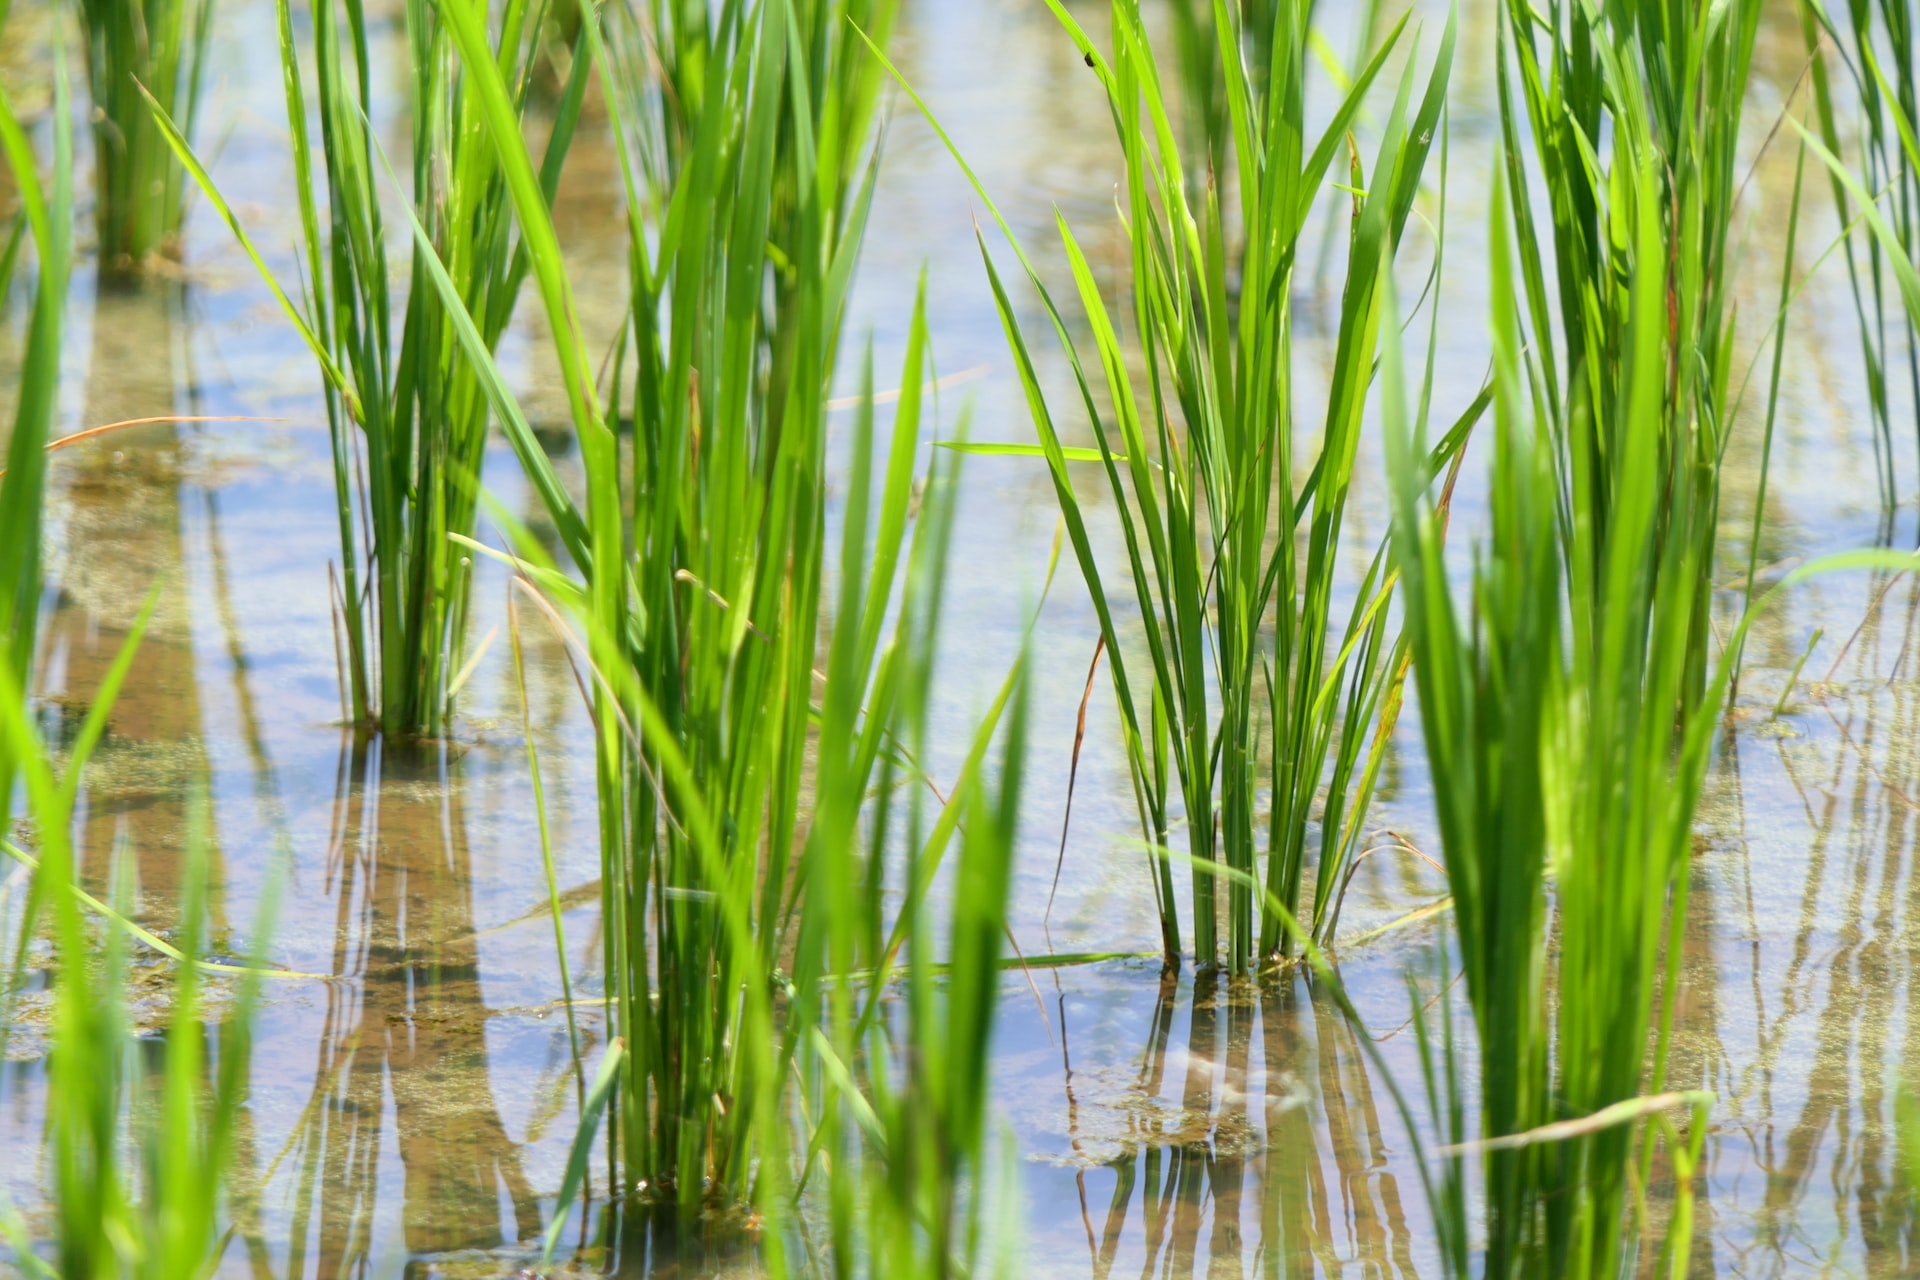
<point x="409" y="1113"/>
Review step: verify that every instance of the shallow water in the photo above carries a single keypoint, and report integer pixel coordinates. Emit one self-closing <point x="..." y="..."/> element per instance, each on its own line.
<point x="410" y="1113"/>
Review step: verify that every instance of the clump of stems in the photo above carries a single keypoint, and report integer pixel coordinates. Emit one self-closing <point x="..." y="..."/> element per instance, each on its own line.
<point x="701" y="596"/>
<point x="1569" y="719"/>
<point x="727" y="368"/>
<point x="139" y="191"/>
<point x="1670" y="83"/>
<point x="1233" y="540"/>
<point x="889" y="1057"/>
<point x="1568" y="752"/>
<point x="409" y="420"/>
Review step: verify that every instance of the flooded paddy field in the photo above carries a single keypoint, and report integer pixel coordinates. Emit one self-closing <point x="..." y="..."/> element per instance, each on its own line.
<point x="415" y="1077"/>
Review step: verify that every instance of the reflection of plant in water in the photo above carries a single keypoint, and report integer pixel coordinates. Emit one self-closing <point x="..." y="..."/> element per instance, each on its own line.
<point x="1860" y="813"/>
<point x="124" y="517"/>
<point x="1291" y="1171"/>
<point x="405" y="1030"/>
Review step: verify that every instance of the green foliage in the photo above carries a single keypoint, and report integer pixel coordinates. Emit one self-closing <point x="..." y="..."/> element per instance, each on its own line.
<point x="910" y="1192"/>
<point x="903" y="1107"/>
<point x="48" y="213"/>
<point x="1491" y="688"/>
<point x="761" y="696"/>
<point x="158" y="1215"/>
<point x="1569" y="723"/>
<point x="1877" y="51"/>
<point x="1562" y="761"/>
<point x="159" y="47"/>
<point x="1638" y="421"/>
<point x="1569" y="716"/>
<point x="888" y="1057"/>
<point x="735" y="327"/>
<point x="1906" y="1120"/>
<point x="1234" y="589"/>
<point x="409" y="423"/>
<point x="1670" y="82"/>
<point x="701" y="602"/>
<point x="748" y="952"/>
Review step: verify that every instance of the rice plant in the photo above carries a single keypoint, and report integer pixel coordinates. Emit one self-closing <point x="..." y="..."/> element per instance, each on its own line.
<point x="728" y="554"/>
<point x="911" y="1192"/>
<point x="1876" y="51"/>
<point x="701" y="592"/>
<point x="1886" y="215"/>
<point x="1634" y="114"/>
<point x="409" y="420"/>
<point x="46" y="220"/>
<point x="1569" y="724"/>
<point x="885" y="1131"/>
<point x="900" y="1090"/>
<point x="1565" y="782"/>
<point x="138" y="1156"/>
<point x="1670" y="84"/>
<point x="1568" y="748"/>
<point x="47" y="211"/>
<point x="1233" y="542"/>
<point x="157" y="1215"/>
<point x="159" y="47"/>
<point x="138" y="1151"/>
<point x="1488" y="693"/>
<point x="1569" y="719"/>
